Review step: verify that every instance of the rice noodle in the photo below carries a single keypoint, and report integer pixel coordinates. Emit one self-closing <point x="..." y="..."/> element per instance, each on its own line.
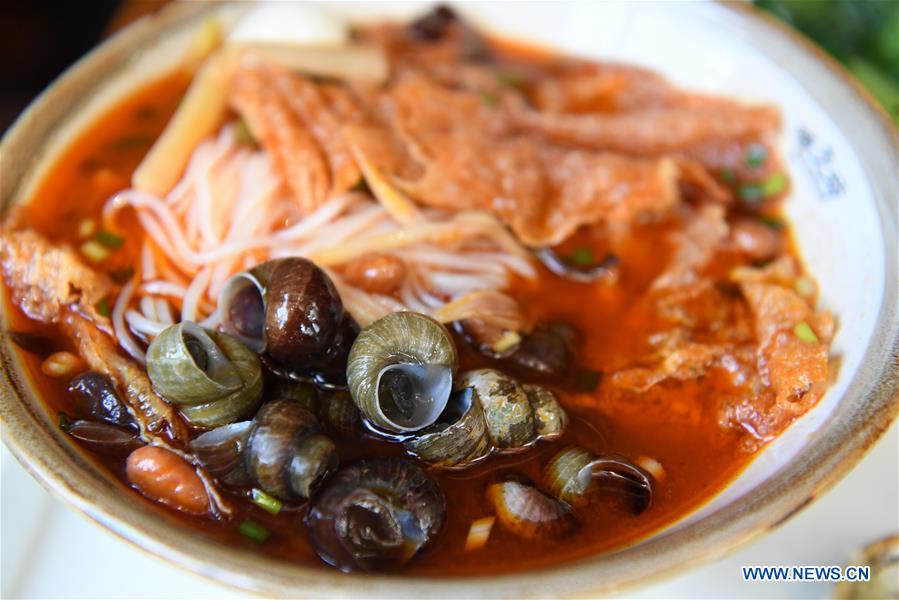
<point x="231" y="210"/>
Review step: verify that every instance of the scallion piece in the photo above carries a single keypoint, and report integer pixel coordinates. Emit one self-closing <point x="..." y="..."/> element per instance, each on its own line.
<point x="103" y="307"/>
<point x="253" y="531"/>
<point x="94" y="251"/>
<point x="243" y="135"/>
<point x="64" y="422"/>
<point x="751" y="193"/>
<point x="729" y="176"/>
<point x="772" y="222"/>
<point x="267" y="503"/>
<point x="581" y="257"/>
<point x="805" y="333"/>
<point x="756" y="155"/>
<point x="109" y="240"/>
<point x="489" y="99"/>
<point x="774" y="185"/>
<point x="510" y="78"/>
<point x="86" y="228"/>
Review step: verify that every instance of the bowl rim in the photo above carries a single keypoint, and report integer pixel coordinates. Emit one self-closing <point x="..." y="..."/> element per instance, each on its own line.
<point x="872" y="394"/>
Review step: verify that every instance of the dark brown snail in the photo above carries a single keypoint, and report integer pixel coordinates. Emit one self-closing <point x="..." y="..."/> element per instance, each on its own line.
<point x="283" y="451"/>
<point x="375" y="514"/>
<point x="289" y="311"/>
<point x="95" y="397"/>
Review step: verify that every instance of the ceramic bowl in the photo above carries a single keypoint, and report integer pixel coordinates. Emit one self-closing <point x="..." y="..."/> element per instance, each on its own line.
<point x="842" y="155"/>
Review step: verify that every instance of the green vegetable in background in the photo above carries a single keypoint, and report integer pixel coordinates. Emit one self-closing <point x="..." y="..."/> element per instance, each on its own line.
<point x="862" y="34"/>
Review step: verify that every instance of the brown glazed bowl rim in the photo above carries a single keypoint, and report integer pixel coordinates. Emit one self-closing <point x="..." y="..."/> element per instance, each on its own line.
<point x="864" y="412"/>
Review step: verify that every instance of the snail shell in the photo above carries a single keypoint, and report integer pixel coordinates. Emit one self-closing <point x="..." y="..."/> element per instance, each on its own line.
<point x="510" y="418"/>
<point x="287" y="453"/>
<point x="458" y="438"/>
<point x="526" y="511"/>
<point x="490" y="413"/>
<point x="340" y="414"/>
<point x="400" y="371"/>
<point x="375" y="514"/>
<point x="572" y="475"/>
<point x="550" y="419"/>
<point x="288" y="310"/>
<point x="212" y="377"/>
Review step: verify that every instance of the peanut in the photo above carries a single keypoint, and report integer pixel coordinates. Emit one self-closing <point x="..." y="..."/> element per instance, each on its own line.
<point x="376" y="273"/>
<point x="165" y="477"/>
<point x="61" y="365"/>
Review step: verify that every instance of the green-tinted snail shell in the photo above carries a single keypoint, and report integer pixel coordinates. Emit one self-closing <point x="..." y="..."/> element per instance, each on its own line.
<point x="490" y="413"/>
<point x="458" y="438"/>
<point x="400" y="371"/>
<point x="212" y="377"/>
<point x="287" y="453"/>
<point x="510" y="418"/>
<point x="573" y="476"/>
<point x="550" y="419"/>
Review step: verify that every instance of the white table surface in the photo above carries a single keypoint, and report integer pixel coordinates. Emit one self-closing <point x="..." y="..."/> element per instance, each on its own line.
<point x="50" y="551"/>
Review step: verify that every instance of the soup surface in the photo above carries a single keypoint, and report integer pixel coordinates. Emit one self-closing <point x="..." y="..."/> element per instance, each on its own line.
<point x="648" y="251"/>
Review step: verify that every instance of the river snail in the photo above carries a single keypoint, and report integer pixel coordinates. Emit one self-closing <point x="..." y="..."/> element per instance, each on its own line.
<point x="526" y="511"/>
<point x="283" y="451"/>
<point x="375" y="514"/>
<point x="212" y="377"/>
<point x="289" y="312"/>
<point x="489" y="412"/>
<point x="400" y="371"/>
<point x="574" y="475"/>
<point x="339" y="414"/>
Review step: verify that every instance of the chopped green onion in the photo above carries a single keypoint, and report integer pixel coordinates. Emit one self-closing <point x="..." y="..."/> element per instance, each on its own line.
<point x="108" y="239"/>
<point x="581" y="257"/>
<point x="805" y="333"/>
<point x="64" y="422"/>
<point x="489" y="99"/>
<point x="805" y="287"/>
<point x="86" y="228"/>
<point x="774" y="185"/>
<point x="750" y="193"/>
<point x="510" y="78"/>
<point x="267" y="503"/>
<point x="243" y="135"/>
<point x="772" y="222"/>
<point x="94" y="251"/>
<point x="103" y="307"/>
<point x="756" y="155"/>
<point x="586" y="380"/>
<point x="253" y="531"/>
<point x="728" y="176"/>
